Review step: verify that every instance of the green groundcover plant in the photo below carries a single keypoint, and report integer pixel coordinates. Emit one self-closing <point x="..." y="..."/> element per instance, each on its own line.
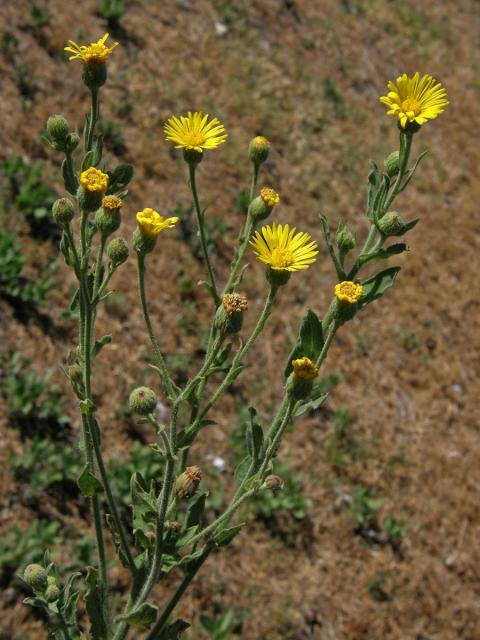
<point x="167" y="530"/>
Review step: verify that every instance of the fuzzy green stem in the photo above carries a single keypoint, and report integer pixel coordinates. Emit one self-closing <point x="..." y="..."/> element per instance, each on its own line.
<point x="93" y="119"/>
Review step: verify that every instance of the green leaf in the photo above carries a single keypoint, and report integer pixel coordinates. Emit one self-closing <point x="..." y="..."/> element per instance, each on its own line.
<point x="311" y="405"/>
<point x="69" y="180"/>
<point x="375" y="287"/>
<point x="144" y="503"/>
<point x="67" y="603"/>
<point x="195" y="511"/>
<point x="142" y="617"/>
<point x="100" y="343"/>
<point x="172" y="632"/>
<point x="373" y="184"/>
<point x="242" y="469"/>
<point x="88" y="483"/>
<point x="387" y="252"/>
<point x="412" y="171"/>
<point x="97" y="152"/>
<point x="87" y="407"/>
<point x="227" y="535"/>
<point x="87" y="161"/>
<point x="254" y="437"/>
<point x="310" y="340"/>
<point x="75" y="303"/>
<point x="119" y="177"/>
<point x="94" y="606"/>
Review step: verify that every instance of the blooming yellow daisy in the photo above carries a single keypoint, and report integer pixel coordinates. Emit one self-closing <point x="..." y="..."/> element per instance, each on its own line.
<point x="194" y="132"/>
<point x="349" y="292"/>
<point x="414" y="99"/>
<point x="93" y="180"/>
<point x="94" y="53"/>
<point x="283" y="249"/>
<point x="304" y="369"/>
<point x="151" y="222"/>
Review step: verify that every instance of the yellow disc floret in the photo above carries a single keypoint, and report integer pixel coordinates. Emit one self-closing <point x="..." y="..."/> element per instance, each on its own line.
<point x="195" y="132"/>
<point x="304" y="369"/>
<point x="94" y="181"/>
<point x="94" y="53"/>
<point x="415" y="99"/>
<point x="349" y="292"/>
<point x="151" y="223"/>
<point x="283" y="249"/>
<point x="269" y="196"/>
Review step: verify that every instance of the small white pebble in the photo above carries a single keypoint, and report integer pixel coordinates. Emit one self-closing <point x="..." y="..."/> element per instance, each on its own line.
<point x="219" y="463"/>
<point x="221" y="29"/>
<point x="161" y="411"/>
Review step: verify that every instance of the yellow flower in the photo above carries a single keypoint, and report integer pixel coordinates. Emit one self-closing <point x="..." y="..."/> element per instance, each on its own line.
<point x="151" y="222"/>
<point x="94" y="53"/>
<point x="349" y="292"/>
<point x="112" y="203"/>
<point x="283" y="249"/>
<point x="93" y="180"/>
<point x="269" y="196"/>
<point x="193" y="132"/>
<point x="414" y="99"/>
<point x="304" y="369"/>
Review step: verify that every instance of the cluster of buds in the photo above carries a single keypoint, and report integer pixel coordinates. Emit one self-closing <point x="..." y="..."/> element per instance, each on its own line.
<point x="42" y="583"/>
<point x="59" y="136"/>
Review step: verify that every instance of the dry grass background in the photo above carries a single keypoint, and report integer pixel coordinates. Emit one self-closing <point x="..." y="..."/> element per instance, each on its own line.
<point x="266" y="74"/>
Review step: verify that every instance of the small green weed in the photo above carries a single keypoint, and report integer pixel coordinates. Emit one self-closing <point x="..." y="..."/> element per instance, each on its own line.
<point x="342" y="448"/>
<point x="221" y="627"/>
<point x="333" y="96"/>
<point x="22" y="546"/>
<point x="364" y="506"/>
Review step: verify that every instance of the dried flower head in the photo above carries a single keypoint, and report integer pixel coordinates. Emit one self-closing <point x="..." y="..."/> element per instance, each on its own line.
<point x="283" y="249"/>
<point x="187" y="482"/>
<point x="349" y="292"/>
<point x="94" y="181"/>
<point x="414" y="99"/>
<point x="151" y="223"/>
<point x="112" y="203"/>
<point x="304" y="369"/>
<point x="234" y="303"/>
<point x="94" y="53"/>
<point x="195" y="132"/>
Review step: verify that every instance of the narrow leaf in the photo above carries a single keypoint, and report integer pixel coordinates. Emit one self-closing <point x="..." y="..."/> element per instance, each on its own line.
<point x="310" y="340"/>
<point x="142" y="617"/>
<point x="94" y="606"/>
<point x="100" y="343"/>
<point x="375" y="287"/>
<point x="227" y="535"/>
<point x="88" y="483"/>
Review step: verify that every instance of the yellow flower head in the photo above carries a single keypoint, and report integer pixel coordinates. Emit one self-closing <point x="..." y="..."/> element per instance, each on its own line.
<point x="269" y="196"/>
<point x="111" y="203"/>
<point x="151" y="222"/>
<point x="349" y="292"/>
<point x="94" y="53"/>
<point x="283" y="249"/>
<point x="304" y="369"/>
<point x="194" y="132"/>
<point x="260" y="142"/>
<point x="414" y="99"/>
<point x="94" y="181"/>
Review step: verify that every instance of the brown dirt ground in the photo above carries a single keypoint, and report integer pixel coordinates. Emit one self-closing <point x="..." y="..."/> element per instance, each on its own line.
<point x="265" y="75"/>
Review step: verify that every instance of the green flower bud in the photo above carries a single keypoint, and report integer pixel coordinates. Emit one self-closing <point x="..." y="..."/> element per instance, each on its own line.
<point x="57" y="129"/>
<point x="143" y="401"/>
<point x="391" y="164"/>
<point x="192" y="156"/>
<point x="278" y="277"/>
<point x="94" y="75"/>
<point x="300" y="381"/>
<point x="143" y="243"/>
<point x="117" y="252"/>
<point x="345" y="239"/>
<point x="261" y="206"/>
<point x="392" y="224"/>
<point x="36" y="576"/>
<point x="51" y="580"/>
<point x="75" y="373"/>
<point x="107" y="221"/>
<point x="63" y="211"/>
<point x="89" y="201"/>
<point x="187" y="483"/>
<point x="229" y="316"/>
<point x="52" y="593"/>
<point x="72" y="141"/>
<point x="258" y="150"/>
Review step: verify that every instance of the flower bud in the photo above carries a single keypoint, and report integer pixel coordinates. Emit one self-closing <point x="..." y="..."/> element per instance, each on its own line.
<point x="187" y="483"/>
<point x="392" y="224"/>
<point x="52" y="593"/>
<point x="300" y="381"/>
<point x="72" y="141"/>
<point x="93" y="184"/>
<point x="261" y="206"/>
<point x="345" y="239"/>
<point x="273" y="482"/>
<point x="107" y="221"/>
<point x="117" y="252"/>
<point x="75" y="373"/>
<point x="36" y="576"/>
<point x="173" y="525"/>
<point x="63" y="211"/>
<point x="258" y="150"/>
<point x="58" y="131"/>
<point x="391" y="164"/>
<point x="229" y="316"/>
<point x="143" y="401"/>
<point x="143" y="243"/>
